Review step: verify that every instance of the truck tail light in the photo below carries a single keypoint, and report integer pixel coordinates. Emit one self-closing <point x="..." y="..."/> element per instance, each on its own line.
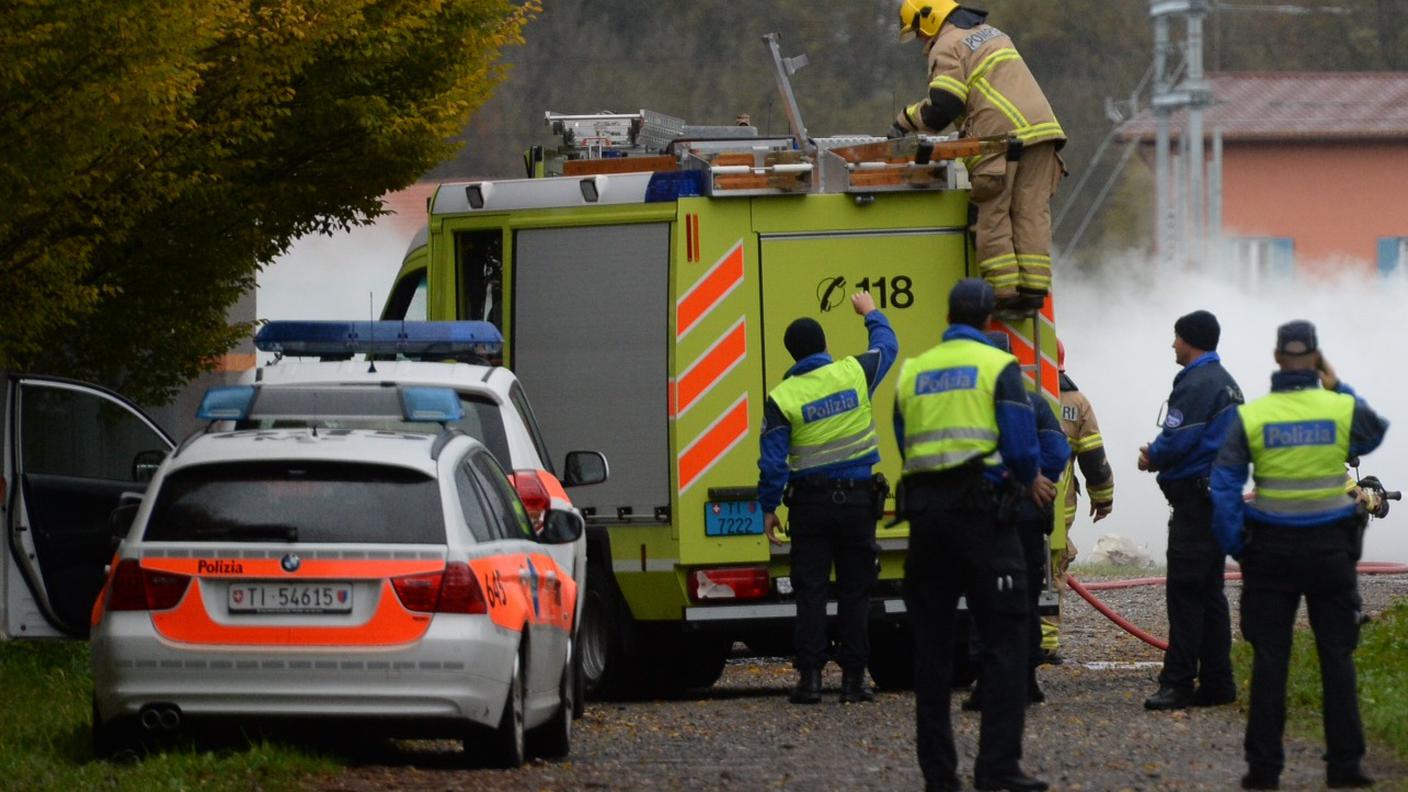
<point x="533" y="494"/>
<point x="452" y="590"/>
<point x="728" y="583"/>
<point x="136" y="589"/>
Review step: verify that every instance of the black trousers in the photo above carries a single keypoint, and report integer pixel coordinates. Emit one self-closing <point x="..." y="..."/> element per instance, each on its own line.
<point x="956" y="548"/>
<point x="1031" y="532"/>
<point x="1199" y="621"/>
<point x="1279" y="567"/>
<point x="826" y="533"/>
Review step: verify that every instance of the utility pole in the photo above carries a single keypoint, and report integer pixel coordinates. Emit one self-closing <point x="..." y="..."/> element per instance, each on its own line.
<point x="1179" y="208"/>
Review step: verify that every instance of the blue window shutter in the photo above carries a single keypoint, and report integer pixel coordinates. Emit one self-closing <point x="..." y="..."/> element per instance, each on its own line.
<point x="1388" y="254"/>
<point x="1283" y="257"/>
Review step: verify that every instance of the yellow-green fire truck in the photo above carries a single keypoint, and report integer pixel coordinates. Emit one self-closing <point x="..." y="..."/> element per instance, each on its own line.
<point x="642" y="277"/>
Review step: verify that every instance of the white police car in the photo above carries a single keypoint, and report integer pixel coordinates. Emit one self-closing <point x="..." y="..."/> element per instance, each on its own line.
<point x="336" y="574"/>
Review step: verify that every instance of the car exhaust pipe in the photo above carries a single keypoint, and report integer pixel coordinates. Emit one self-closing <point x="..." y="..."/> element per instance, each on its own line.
<point x="160" y="717"/>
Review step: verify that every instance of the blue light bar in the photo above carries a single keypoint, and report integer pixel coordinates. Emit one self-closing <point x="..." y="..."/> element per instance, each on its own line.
<point x="431" y="404"/>
<point x="229" y="403"/>
<point x="674" y="185"/>
<point x="408" y="339"/>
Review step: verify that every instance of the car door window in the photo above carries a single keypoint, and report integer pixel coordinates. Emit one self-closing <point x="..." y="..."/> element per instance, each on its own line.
<point x="525" y="411"/>
<point x="80" y="433"/>
<point x="478" y="516"/>
<point x="510" y="516"/>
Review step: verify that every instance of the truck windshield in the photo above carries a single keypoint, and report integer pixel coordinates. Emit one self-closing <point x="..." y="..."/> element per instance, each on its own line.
<point x="297" y="501"/>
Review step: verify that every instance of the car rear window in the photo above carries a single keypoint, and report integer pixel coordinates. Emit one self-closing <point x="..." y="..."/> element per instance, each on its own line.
<point x="482" y="421"/>
<point x="297" y="501"/>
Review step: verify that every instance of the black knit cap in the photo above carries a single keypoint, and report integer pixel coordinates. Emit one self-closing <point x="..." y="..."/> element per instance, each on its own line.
<point x="804" y="337"/>
<point x="1296" y="338"/>
<point x="971" y="302"/>
<point x="1200" y="329"/>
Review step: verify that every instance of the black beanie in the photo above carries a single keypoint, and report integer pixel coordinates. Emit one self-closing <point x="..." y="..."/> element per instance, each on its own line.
<point x="804" y="337"/>
<point x="1199" y="329"/>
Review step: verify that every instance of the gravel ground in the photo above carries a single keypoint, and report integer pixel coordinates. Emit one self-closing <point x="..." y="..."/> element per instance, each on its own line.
<point x="1093" y="733"/>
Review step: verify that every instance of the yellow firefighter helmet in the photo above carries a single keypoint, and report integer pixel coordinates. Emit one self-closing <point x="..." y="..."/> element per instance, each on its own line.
<point x="923" y="17"/>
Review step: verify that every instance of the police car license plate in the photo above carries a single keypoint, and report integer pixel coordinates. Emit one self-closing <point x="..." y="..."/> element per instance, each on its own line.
<point x="290" y="598"/>
<point x="732" y="518"/>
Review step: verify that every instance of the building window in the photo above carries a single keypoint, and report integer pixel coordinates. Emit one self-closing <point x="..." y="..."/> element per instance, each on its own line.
<point x="1393" y="255"/>
<point x="1263" y="260"/>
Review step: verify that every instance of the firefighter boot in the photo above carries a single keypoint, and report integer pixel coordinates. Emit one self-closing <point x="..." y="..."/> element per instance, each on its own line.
<point x="808" y="690"/>
<point x="853" y="687"/>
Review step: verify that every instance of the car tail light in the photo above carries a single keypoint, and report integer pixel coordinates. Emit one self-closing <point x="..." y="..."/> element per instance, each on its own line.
<point x="728" y="583"/>
<point x="533" y="494"/>
<point x="135" y="588"/>
<point x="453" y="590"/>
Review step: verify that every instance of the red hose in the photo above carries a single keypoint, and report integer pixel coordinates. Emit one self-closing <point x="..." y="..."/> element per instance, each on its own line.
<point x="1365" y="568"/>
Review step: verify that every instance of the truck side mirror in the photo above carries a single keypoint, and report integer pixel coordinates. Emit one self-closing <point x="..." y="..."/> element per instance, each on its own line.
<point x="561" y="527"/>
<point x="145" y="463"/>
<point x="120" y="519"/>
<point x="583" y="468"/>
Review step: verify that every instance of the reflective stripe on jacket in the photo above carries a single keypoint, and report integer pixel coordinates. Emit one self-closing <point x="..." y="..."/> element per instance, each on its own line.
<point x="830" y="414"/>
<point x="982" y="69"/>
<point x="945" y="397"/>
<point x="1299" y="442"/>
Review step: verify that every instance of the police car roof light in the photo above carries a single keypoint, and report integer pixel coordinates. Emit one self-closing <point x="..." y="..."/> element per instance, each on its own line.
<point x="226" y="403"/>
<point x="386" y="337"/>
<point x="431" y="404"/>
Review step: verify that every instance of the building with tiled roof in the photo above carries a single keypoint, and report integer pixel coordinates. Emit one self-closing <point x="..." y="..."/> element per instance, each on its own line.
<point x="1314" y="167"/>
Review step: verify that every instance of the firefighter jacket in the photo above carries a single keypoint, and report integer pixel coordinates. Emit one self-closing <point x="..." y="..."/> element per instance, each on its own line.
<point x="1087" y="450"/>
<point x="980" y="84"/>
<point x="774" y="461"/>
<point x="1297" y="440"/>
<point x="964" y="401"/>
<point x="1200" y="408"/>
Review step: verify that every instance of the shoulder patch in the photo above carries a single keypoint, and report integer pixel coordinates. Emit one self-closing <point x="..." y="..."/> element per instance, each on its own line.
<point x="984" y="34"/>
<point x="1235" y="394"/>
<point x="1069" y="412"/>
<point x="1174" y="419"/>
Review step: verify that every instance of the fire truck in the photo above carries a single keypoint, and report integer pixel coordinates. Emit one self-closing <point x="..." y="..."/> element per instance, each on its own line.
<point x="642" y="274"/>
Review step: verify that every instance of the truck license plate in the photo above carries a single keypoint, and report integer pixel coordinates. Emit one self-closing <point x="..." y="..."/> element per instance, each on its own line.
<point x="290" y="598"/>
<point x="733" y="518"/>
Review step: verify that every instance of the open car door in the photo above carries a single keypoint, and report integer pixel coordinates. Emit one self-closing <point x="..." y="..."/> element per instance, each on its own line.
<point x="71" y="450"/>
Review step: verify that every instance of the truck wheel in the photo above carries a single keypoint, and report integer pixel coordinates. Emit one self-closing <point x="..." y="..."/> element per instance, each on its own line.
<point x="892" y="656"/>
<point x="603" y="656"/>
<point x="700" y="661"/>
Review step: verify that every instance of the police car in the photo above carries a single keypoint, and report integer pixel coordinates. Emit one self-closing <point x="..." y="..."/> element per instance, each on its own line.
<point x="335" y="574"/>
<point x="457" y="355"/>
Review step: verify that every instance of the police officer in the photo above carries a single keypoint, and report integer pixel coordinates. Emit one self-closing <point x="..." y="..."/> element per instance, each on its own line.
<point x="1034" y="524"/>
<point x="819" y="445"/>
<point x="978" y="81"/>
<point x="1200" y="409"/>
<point x="958" y="406"/>
<point x="1300" y="535"/>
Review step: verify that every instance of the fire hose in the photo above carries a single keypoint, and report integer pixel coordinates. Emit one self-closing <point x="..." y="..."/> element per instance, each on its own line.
<point x="1084" y="590"/>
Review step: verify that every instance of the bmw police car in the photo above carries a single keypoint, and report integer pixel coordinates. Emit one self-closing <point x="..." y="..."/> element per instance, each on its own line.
<point x="338" y="574"/>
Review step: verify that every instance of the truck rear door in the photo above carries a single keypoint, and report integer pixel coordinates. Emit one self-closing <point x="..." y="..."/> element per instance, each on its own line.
<point x="70" y="450"/>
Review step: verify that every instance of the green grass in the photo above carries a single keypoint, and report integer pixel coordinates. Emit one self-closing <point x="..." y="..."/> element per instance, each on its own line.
<point x="1114" y="571"/>
<point x="45" y="743"/>
<point x="1383" y="680"/>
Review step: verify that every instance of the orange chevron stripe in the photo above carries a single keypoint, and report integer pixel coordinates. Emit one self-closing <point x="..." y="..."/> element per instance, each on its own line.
<point x="707" y="449"/>
<point x="707" y="292"/>
<point x="705" y="373"/>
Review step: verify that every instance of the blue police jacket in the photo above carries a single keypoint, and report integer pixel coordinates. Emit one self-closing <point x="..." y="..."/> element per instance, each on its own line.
<point x="1200" y="408"/>
<point x="1016" y="422"/>
<point x="1055" y="452"/>
<point x="773" y="472"/>
<point x="1229" y="474"/>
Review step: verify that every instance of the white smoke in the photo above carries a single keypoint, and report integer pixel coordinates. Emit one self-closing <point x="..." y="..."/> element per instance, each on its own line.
<point x="1118" y="328"/>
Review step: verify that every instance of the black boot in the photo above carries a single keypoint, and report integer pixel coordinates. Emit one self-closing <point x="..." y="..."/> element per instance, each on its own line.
<point x="808" y="690"/>
<point x="1169" y="698"/>
<point x="853" y="687"/>
<point x="1350" y="778"/>
<point x="1014" y="782"/>
<point x="1035" y="695"/>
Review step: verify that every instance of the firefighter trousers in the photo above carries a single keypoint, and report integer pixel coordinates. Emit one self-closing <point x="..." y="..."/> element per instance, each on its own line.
<point x="1279" y="567"/>
<point x="1013" y="230"/>
<point x="957" y="548"/>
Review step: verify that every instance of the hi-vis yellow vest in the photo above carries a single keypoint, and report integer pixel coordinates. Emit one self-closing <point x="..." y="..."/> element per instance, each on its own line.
<point x="829" y="410"/>
<point x="1299" y="442"/>
<point x="946" y="399"/>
